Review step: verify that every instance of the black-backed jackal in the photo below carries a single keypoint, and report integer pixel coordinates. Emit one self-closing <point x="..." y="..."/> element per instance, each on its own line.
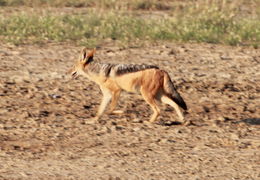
<point x="153" y="83"/>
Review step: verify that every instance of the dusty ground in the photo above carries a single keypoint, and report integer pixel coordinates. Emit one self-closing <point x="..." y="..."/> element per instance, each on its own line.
<point x="43" y="113"/>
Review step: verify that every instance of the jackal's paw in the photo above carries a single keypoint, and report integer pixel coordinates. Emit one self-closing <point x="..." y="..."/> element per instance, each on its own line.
<point x="149" y="124"/>
<point x="117" y="112"/>
<point x="185" y="122"/>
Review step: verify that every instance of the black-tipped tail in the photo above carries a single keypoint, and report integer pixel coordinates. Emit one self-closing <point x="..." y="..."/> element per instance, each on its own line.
<point x="178" y="100"/>
<point x="172" y="92"/>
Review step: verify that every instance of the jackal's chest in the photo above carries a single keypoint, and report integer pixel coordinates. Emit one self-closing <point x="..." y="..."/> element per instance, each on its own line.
<point x="95" y="77"/>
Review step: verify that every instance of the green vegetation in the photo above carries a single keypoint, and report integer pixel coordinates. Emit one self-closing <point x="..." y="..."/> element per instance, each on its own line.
<point x="211" y="23"/>
<point x="112" y="4"/>
<point x="58" y="3"/>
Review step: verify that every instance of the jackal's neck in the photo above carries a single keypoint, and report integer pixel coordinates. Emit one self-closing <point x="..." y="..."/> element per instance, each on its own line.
<point x="92" y="67"/>
<point x="98" y="68"/>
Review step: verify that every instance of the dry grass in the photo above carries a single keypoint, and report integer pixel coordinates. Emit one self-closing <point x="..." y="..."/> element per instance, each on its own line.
<point x="203" y="21"/>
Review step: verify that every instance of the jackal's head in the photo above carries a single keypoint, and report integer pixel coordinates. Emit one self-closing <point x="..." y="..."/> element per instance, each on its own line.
<point x="84" y="59"/>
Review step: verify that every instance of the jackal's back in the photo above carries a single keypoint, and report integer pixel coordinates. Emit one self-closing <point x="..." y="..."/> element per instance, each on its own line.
<point x="117" y="69"/>
<point x="122" y="69"/>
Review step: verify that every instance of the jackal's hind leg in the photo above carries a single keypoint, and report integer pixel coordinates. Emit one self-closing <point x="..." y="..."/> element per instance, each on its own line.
<point x="151" y="101"/>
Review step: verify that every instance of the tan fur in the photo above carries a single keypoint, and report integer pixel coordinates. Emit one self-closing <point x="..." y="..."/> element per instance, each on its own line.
<point x="149" y="82"/>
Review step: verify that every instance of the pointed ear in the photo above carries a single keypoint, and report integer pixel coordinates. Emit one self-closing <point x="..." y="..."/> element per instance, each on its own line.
<point x="90" y="56"/>
<point x="83" y="54"/>
<point x="91" y="53"/>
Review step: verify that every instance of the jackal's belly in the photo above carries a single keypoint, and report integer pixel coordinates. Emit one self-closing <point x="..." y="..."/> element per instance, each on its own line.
<point x="129" y="83"/>
<point x="129" y="86"/>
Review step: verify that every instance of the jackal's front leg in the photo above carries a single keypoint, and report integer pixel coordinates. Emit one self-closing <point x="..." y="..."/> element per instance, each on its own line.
<point x="115" y="97"/>
<point x="105" y="100"/>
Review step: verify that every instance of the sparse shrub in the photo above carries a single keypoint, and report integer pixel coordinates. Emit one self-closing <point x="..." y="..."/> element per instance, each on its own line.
<point x="150" y="5"/>
<point x="2" y="3"/>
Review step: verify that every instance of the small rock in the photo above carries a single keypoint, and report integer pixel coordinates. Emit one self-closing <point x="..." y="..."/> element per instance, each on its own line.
<point x="119" y="128"/>
<point x="163" y="140"/>
<point x="136" y="129"/>
<point x="225" y="58"/>
<point x="224" y="75"/>
<point x="137" y="120"/>
<point x="221" y="118"/>
<point x="55" y="96"/>
<point x="234" y="136"/>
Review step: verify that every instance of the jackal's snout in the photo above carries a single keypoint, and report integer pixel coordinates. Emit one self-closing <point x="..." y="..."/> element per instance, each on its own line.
<point x="72" y="72"/>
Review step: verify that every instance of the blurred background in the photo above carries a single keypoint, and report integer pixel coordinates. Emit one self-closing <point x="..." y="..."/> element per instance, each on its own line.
<point x="91" y="22"/>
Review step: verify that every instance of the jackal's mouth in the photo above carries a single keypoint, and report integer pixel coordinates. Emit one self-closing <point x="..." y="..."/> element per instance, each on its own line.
<point x="74" y="74"/>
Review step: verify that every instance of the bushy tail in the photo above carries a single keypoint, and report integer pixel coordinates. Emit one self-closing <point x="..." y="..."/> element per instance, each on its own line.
<point x="171" y="91"/>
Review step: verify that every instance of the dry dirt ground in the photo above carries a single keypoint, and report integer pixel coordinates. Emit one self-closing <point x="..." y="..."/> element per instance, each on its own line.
<point x="43" y="134"/>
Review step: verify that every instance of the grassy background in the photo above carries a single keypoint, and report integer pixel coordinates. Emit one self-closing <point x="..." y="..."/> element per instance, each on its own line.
<point x="215" y="21"/>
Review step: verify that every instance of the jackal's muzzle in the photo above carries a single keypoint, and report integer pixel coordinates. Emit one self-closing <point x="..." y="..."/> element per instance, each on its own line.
<point x="73" y="73"/>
